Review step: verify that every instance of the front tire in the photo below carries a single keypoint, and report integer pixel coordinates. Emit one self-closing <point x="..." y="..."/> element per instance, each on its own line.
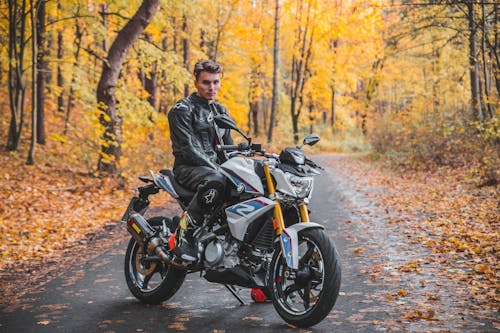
<point x="306" y="297"/>
<point x="153" y="282"/>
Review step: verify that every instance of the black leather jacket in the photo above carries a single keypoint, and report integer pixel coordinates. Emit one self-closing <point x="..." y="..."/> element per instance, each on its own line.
<point x="194" y="134"/>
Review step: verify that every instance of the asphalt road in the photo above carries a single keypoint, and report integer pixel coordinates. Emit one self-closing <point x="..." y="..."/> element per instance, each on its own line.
<point x="93" y="296"/>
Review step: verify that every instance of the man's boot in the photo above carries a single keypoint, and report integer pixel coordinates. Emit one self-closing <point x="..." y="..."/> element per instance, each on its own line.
<point x="186" y="247"/>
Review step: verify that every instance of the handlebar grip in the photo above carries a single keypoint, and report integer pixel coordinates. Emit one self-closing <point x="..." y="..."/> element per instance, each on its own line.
<point x="226" y="147"/>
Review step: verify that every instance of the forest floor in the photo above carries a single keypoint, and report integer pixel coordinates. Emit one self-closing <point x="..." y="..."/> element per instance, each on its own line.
<point x="49" y="213"/>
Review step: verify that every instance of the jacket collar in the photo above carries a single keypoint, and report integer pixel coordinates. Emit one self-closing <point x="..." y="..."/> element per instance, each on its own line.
<point x="197" y="99"/>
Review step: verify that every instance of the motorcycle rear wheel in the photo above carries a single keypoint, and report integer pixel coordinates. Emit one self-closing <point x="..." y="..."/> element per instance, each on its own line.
<point x="154" y="282"/>
<point x="306" y="297"/>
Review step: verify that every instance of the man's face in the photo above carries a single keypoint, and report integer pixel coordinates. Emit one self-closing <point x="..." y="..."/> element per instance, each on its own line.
<point x="208" y="85"/>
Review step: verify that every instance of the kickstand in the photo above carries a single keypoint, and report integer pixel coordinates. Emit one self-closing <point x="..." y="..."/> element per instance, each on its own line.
<point x="233" y="291"/>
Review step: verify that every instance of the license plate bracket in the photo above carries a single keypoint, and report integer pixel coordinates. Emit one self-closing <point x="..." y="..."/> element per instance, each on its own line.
<point x="129" y="210"/>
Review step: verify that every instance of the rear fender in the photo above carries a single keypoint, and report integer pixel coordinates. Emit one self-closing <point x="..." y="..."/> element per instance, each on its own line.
<point x="289" y="240"/>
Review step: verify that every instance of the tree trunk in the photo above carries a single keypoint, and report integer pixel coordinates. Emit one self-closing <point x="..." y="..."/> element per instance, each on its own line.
<point x="473" y="68"/>
<point x="311" y="117"/>
<point x="185" y="49"/>
<point x="275" y="73"/>
<point x="152" y="85"/>
<point x="105" y="24"/>
<point x="371" y="88"/>
<point x="34" y="67"/>
<point x="17" y="87"/>
<point x="110" y="119"/>
<point x="495" y="50"/>
<point x="175" y="40"/>
<point x="60" y="78"/>
<point x="254" y="117"/>
<point x="333" y="115"/>
<point x="218" y="33"/>
<point x="295" y="128"/>
<point x="300" y="69"/>
<point x="78" y="42"/>
<point x="488" y="107"/>
<point x="150" y="81"/>
<point x="294" y="114"/>
<point x="254" y="96"/>
<point x="265" y="112"/>
<point x="42" y="70"/>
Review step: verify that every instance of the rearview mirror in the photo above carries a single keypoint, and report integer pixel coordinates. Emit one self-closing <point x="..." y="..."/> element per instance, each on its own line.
<point x="224" y="121"/>
<point x="311" y="139"/>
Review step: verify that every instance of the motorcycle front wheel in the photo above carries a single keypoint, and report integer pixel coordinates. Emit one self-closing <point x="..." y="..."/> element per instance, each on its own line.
<point x="305" y="297"/>
<point x="151" y="282"/>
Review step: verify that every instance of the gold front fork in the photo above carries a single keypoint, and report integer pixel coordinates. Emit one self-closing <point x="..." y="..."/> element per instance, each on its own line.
<point x="279" y="223"/>
<point x="304" y="214"/>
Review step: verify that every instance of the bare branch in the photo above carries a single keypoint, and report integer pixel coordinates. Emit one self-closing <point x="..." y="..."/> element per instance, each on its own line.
<point x="102" y="13"/>
<point x="93" y="53"/>
<point x="68" y="18"/>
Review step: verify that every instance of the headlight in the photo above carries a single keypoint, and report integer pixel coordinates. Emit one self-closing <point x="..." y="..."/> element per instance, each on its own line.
<point x="301" y="185"/>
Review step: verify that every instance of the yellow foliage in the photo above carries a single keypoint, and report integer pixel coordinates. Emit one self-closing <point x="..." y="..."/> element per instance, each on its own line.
<point x="58" y="138"/>
<point x="382" y="68"/>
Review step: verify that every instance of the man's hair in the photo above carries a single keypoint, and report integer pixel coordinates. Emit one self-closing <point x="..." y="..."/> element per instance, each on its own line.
<point x="210" y="66"/>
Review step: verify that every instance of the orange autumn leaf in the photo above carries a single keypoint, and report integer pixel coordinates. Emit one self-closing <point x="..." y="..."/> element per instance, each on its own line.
<point x="402" y="292"/>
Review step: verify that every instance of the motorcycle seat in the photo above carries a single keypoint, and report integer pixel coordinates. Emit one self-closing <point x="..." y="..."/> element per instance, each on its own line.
<point x="184" y="193"/>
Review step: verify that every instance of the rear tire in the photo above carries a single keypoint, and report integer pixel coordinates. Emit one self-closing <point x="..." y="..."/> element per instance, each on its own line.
<point x="156" y="282"/>
<point x="307" y="298"/>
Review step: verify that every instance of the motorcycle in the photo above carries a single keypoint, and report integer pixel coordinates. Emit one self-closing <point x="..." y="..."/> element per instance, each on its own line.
<point x="261" y="237"/>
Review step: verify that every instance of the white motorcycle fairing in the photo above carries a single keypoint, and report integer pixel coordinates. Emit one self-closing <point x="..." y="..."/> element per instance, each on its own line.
<point x="241" y="215"/>
<point x="282" y="184"/>
<point x="241" y="172"/>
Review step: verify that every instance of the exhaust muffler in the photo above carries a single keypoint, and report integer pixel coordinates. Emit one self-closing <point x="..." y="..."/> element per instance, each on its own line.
<point x="140" y="229"/>
<point x="145" y="235"/>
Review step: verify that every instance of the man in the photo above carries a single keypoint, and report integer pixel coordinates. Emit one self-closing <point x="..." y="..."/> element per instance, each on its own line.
<point x="196" y="166"/>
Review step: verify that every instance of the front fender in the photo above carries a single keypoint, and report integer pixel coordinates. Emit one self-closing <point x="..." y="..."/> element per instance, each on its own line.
<point x="289" y="240"/>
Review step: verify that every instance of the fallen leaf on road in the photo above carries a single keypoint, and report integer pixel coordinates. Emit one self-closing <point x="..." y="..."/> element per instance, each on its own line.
<point x="481" y="268"/>
<point x="402" y="292"/>
<point x="358" y="251"/>
<point x="252" y="318"/>
<point x="417" y="314"/>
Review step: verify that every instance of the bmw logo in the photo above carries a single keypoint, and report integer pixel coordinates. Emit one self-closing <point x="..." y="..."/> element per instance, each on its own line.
<point x="240" y="188"/>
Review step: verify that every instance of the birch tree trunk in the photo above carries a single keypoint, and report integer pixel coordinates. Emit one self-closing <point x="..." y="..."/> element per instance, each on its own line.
<point x="42" y="70"/>
<point x="274" y="101"/>
<point x="31" y="154"/>
<point x="473" y="67"/>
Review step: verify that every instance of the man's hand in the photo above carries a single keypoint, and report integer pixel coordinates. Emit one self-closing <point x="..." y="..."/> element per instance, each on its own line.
<point x="243" y="146"/>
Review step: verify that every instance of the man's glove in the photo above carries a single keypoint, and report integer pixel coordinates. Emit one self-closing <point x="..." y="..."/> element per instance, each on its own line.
<point x="243" y="146"/>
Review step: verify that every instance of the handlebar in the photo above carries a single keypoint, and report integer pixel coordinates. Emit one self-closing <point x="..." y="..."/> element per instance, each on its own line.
<point x="250" y="150"/>
<point x="254" y="147"/>
<point x="226" y="147"/>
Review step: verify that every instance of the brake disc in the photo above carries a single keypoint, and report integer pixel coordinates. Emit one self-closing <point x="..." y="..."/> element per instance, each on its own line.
<point x="144" y="267"/>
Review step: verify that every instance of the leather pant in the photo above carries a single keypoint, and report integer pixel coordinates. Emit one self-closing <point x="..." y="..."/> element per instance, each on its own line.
<point x="209" y="185"/>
